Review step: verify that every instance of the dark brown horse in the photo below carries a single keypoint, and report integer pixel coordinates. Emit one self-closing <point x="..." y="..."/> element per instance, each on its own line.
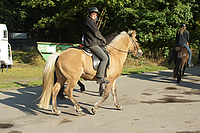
<point x="66" y="68"/>
<point x="180" y="56"/>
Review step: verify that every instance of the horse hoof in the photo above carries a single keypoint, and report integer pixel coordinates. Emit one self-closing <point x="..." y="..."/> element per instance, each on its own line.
<point x="58" y="112"/>
<point x="79" y="111"/>
<point x="120" y="107"/>
<point x="93" y="111"/>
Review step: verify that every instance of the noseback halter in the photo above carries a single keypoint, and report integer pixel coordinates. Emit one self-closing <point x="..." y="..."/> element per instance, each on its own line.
<point x="134" y="43"/>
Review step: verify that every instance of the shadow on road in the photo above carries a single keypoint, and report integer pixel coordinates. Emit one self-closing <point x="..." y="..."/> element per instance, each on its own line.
<point x="26" y="100"/>
<point x="189" y="80"/>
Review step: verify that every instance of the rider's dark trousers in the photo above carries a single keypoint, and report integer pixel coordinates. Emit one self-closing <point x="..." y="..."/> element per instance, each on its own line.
<point x="103" y="58"/>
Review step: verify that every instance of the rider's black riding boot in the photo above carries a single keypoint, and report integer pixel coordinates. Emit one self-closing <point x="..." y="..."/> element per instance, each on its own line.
<point x="102" y="80"/>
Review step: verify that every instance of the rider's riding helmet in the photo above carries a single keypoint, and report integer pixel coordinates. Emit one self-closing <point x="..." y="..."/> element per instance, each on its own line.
<point x="183" y="25"/>
<point x="93" y="9"/>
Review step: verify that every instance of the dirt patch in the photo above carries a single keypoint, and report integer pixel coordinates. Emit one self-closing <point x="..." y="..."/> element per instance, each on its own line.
<point x="193" y="91"/>
<point x="145" y="93"/>
<point x="188" y="132"/>
<point x="170" y="99"/>
<point x="170" y="88"/>
<point x="14" y="131"/>
<point x="6" y="125"/>
<point x="65" y="120"/>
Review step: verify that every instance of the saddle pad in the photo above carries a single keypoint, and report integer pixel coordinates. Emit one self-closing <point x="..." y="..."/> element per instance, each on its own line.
<point x="95" y="59"/>
<point x="90" y="54"/>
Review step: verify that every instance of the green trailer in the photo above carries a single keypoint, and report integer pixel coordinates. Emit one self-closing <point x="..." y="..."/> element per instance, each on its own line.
<point x="47" y="48"/>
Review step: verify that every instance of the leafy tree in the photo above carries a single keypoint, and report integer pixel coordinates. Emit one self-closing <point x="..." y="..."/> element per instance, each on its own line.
<point x="156" y="21"/>
<point x="12" y="14"/>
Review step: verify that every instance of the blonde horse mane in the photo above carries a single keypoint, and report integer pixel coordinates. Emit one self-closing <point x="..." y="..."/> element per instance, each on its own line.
<point x="118" y="37"/>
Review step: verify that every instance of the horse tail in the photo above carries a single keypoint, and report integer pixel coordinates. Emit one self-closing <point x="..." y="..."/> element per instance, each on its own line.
<point x="48" y="81"/>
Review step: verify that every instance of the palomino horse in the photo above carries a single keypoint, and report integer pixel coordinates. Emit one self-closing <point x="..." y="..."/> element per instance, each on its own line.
<point x="180" y="56"/>
<point x="66" y="68"/>
<point x="108" y="38"/>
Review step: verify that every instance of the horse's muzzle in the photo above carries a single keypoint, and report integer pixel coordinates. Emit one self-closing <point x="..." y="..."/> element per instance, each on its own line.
<point x="139" y="53"/>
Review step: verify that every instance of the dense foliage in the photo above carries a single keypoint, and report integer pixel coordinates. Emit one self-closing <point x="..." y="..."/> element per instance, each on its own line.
<point x="156" y="21"/>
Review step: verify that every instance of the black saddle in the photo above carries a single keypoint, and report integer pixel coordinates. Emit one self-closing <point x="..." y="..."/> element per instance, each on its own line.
<point x="96" y="60"/>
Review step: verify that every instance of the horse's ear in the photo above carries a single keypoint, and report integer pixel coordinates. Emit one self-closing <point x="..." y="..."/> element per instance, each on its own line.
<point x="132" y="33"/>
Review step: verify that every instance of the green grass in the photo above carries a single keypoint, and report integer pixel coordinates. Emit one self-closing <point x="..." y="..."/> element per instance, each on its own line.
<point x="142" y="69"/>
<point x="141" y="65"/>
<point x="27" y="71"/>
<point x="21" y="77"/>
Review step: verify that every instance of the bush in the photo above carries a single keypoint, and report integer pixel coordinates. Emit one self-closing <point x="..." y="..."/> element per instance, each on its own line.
<point x="31" y="57"/>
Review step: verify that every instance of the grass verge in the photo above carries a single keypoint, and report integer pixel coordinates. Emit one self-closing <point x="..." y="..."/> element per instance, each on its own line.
<point x="21" y="76"/>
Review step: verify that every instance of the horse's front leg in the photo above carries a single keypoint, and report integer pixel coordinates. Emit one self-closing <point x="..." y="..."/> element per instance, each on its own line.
<point x="104" y="97"/>
<point x="114" y="93"/>
<point x="56" y="89"/>
<point x="183" y="71"/>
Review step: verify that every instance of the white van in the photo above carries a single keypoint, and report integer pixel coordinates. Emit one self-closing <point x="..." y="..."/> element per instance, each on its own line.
<point x="5" y="48"/>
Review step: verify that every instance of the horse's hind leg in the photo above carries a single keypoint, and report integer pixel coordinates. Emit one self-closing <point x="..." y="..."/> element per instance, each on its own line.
<point x="114" y="93"/>
<point x="101" y="89"/>
<point x="68" y="90"/>
<point x="179" y="77"/>
<point x="55" y="91"/>
<point x="82" y="86"/>
<point x="60" y="93"/>
<point x="179" y="74"/>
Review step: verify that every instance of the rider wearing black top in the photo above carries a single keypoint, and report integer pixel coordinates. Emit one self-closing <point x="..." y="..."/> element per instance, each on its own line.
<point x="182" y="39"/>
<point x="182" y="36"/>
<point x="92" y="40"/>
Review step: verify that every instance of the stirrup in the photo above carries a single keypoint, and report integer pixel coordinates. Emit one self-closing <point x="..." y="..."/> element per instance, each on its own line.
<point x="102" y="80"/>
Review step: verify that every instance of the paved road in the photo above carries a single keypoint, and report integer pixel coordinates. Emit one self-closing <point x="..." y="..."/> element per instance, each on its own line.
<point x="153" y="103"/>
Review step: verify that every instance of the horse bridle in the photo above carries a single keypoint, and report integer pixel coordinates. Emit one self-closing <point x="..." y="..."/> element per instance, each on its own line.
<point x="134" y="45"/>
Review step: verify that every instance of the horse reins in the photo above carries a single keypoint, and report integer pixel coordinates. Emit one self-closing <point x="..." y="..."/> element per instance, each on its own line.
<point x="134" y="45"/>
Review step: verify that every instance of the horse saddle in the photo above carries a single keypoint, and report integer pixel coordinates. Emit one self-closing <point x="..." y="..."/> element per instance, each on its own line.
<point x="96" y="60"/>
<point x="181" y="48"/>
